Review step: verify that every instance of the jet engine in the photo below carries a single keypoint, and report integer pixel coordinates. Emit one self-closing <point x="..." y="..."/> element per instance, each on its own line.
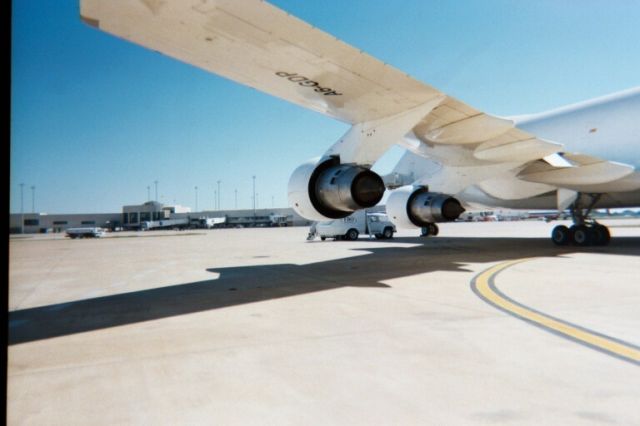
<point x="322" y="190"/>
<point x="408" y="207"/>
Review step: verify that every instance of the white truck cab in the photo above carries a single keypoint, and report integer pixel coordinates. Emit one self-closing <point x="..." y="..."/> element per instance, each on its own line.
<point x="349" y="228"/>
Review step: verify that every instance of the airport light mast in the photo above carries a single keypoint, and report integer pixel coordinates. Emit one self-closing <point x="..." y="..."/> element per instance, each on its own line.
<point x="219" y="194"/>
<point x="22" y="208"/>
<point x="254" y="196"/>
<point x="33" y="198"/>
<point x="196" y="188"/>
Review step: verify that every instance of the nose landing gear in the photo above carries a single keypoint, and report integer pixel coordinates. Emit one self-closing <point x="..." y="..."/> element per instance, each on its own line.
<point x="584" y="231"/>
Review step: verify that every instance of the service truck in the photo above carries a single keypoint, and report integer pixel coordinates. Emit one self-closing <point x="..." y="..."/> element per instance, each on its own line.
<point x="88" y="232"/>
<point x="165" y="224"/>
<point x="349" y="228"/>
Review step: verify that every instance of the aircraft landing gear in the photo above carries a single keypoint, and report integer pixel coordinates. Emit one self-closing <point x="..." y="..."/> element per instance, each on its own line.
<point x="584" y="231"/>
<point x="431" y="230"/>
<point x="561" y="236"/>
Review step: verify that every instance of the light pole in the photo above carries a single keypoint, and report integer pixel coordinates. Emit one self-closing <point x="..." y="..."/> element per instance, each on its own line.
<point x="155" y="182"/>
<point x="215" y="200"/>
<point x="219" y="194"/>
<point x="33" y="198"/>
<point x="148" y="193"/>
<point x="196" y="199"/>
<point x="22" y="208"/>
<point x="254" y="195"/>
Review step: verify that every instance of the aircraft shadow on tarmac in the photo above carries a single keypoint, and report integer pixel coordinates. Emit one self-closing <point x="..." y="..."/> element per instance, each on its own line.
<point x="247" y="284"/>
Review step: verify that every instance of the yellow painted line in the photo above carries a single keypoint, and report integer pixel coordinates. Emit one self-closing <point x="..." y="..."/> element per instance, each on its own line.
<point x="483" y="285"/>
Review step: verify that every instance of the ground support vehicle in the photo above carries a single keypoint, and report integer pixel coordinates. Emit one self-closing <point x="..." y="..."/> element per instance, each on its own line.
<point x="89" y="232"/>
<point x="165" y="224"/>
<point x="350" y="227"/>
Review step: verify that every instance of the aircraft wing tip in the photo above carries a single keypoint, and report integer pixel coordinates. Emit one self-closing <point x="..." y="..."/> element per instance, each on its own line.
<point x="90" y="21"/>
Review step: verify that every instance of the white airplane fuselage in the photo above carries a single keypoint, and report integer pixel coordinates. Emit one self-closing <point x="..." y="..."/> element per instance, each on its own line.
<point x="606" y="127"/>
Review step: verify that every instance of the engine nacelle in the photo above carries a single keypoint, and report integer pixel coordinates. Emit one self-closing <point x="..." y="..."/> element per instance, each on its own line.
<point x="408" y="207"/>
<point x="322" y="190"/>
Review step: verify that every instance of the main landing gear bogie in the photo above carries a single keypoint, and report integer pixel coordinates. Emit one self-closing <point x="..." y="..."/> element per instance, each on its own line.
<point x="581" y="235"/>
<point x="584" y="231"/>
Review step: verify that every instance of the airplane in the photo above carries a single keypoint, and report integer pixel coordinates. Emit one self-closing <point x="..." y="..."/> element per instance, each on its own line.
<point x="580" y="157"/>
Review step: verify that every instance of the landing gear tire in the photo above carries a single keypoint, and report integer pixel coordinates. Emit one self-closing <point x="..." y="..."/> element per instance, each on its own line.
<point x="601" y="235"/>
<point x="431" y="230"/>
<point x="582" y="235"/>
<point x="561" y="236"/>
<point x="323" y="238"/>
<point x="351" y="235"/>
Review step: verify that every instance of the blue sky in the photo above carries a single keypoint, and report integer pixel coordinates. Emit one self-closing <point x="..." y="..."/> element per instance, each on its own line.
<point x="95" y="120"/>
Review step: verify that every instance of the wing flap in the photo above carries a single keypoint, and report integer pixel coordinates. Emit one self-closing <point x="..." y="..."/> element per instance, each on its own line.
<point x="467" y="130"/>
<point x="628" y="183"/>
<point x="520" y="151"/>
<point x="510" y="188"/>
<point x="587" y="171"/>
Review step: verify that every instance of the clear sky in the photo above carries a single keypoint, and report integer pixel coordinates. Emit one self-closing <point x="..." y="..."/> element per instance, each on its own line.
<point x="96" y="120"/>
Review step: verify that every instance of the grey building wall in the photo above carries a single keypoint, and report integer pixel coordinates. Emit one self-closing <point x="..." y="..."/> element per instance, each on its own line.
<point x="36" y="223"/>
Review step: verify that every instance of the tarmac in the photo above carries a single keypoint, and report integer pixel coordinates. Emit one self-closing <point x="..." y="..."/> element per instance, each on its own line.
<point x="487" y="323"/>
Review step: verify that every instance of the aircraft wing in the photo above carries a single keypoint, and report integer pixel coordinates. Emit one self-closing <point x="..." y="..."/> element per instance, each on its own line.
<point x="256" y="44"/>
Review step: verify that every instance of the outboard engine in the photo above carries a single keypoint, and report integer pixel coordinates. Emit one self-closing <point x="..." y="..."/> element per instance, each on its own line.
<point x="410" y="207"/>
<point x="322" y="190"/>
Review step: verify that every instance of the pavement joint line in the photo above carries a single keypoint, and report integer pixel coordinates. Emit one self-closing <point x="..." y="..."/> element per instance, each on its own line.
<point x="483" y="285"/>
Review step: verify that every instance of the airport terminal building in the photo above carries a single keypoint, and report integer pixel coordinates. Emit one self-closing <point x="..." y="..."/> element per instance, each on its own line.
<point x="133" y="217"/>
